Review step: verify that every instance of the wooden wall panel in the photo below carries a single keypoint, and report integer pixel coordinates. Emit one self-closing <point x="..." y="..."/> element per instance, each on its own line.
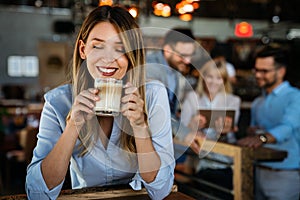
<point x="54" y="57"/>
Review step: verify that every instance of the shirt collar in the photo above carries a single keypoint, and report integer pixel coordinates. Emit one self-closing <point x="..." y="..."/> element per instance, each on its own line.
<point x="279" y="88"/>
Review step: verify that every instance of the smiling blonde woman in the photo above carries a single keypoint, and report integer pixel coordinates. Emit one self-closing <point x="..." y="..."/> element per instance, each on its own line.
<point x="134" y="147"/>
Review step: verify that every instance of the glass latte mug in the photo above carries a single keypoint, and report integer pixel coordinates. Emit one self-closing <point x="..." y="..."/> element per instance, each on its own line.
<point x="110" y="92"/>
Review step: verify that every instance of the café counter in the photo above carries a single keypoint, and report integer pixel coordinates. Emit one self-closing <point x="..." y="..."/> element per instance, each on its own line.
<point x="244" y="159"/>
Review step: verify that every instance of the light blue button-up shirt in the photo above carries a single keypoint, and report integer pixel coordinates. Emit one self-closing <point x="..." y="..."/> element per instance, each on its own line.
<point x="103" y="166"/>
<point x="279" y="114"/>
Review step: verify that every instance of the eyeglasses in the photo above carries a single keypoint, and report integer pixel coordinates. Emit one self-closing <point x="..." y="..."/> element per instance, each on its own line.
<point x="183" y="55"/>
<point x="262" y="71"/>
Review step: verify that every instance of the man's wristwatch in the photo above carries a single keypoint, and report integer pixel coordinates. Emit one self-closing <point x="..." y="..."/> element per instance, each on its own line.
<point x="263" y="138"/>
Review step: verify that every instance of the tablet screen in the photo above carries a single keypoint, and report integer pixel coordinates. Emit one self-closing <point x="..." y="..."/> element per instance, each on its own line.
<point x="212" y="115"/>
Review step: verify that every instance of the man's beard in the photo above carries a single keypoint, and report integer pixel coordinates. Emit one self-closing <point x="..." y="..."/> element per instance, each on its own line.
<point x="270" y="84"/>
<point x="172" y="65"/>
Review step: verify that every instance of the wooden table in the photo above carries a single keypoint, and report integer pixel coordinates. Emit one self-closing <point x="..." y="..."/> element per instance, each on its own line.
<point x="243" y="162"/>
<point x="106" y="193"/>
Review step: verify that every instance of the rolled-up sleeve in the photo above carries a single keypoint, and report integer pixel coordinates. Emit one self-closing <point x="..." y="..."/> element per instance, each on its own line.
<point x="160" y="187"/>
<point x="36" y="187"/>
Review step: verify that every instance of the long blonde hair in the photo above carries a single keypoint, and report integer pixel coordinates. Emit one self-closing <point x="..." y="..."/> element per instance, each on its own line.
<point x="133" y="43"/>
<point x="219" y="65"/>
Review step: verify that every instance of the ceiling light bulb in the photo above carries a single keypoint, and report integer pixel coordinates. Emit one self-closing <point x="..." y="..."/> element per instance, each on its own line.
<point x="38" y="3"/>
<point x="133" y="11"/>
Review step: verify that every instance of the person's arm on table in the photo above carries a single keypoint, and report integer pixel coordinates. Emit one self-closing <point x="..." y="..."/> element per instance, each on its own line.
<point x="155" y="149"/>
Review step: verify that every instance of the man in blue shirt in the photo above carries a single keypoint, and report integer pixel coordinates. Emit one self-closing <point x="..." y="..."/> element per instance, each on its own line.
<point x="275" y="124"/>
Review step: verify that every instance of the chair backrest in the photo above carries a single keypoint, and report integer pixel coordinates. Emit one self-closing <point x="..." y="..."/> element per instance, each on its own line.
<point x="30" y="142"/>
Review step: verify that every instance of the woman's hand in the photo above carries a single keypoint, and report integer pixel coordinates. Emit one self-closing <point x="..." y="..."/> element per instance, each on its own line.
<point x="193" y="142"/>
<point x="224" y="125"/>
<point x="133" y="106"/>
<point x="82" y="109"/>
<point x="198" y="122"/>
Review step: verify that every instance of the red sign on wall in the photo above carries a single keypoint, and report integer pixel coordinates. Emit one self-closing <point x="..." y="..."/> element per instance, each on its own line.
<point x="243" y="29"/>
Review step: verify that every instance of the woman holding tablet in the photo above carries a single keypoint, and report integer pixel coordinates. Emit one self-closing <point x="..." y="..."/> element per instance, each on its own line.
<point x="213" y="92"/>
